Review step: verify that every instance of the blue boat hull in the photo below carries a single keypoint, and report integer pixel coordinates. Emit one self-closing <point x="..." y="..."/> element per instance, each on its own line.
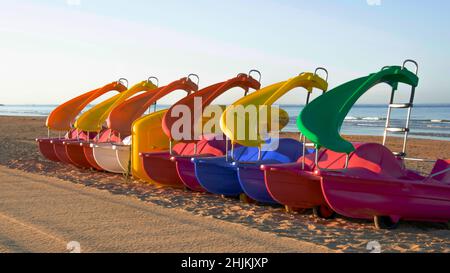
<point x="252" y="182"/>
<point x="218" y="176"/>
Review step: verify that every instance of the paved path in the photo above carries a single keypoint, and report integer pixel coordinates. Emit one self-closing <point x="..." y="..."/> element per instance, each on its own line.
<point x="42" y="214"/>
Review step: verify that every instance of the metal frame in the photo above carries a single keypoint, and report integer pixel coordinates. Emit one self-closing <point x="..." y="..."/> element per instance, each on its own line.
<point x="303" y="139"/>
<point x="171" y="147"/>
<point x="157" y="85"/>
<point x="246" y="94"/>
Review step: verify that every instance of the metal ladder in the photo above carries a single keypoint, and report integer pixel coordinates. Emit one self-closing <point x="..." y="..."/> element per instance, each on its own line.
<point x="303" y="139"/>
<point x="392" y="105"/>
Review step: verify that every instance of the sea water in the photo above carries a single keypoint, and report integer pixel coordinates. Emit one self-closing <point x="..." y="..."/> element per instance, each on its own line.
<point x="428" y="121"/>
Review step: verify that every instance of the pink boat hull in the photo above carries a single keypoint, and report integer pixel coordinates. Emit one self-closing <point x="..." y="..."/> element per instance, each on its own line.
<point x="186" y="172"/>
<point x="356" y="197"/>
<point x="377" y="184"/>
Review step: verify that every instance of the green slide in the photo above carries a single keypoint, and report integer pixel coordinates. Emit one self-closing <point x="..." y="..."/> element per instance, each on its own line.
<point x="322" y="119"/>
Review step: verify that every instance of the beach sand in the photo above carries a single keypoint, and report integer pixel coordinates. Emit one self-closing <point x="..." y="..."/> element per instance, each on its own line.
<point x="19" y="151"/>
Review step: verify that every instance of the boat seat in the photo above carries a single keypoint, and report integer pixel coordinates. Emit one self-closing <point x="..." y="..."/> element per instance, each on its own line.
<point x="109" y="136"/>
<point x="327" y="159"/>
<point x="208" y="145"/>
<point x="73" y="134"/>
<point x="375" y="160"/>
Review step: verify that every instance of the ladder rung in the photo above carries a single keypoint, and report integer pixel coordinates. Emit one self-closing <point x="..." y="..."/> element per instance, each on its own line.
<point x="310" y="145"/>
<point x="401" y="105"/>
<point x="397" y="130"/>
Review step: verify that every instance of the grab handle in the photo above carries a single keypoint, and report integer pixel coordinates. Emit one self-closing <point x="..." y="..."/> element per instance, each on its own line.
<point x="149" y="80"/>
<point x="121" y="80"/>
<point x="413" y="62"/>
<point x="257" y="72"/>
<point x="196" y="76"/>
<point x="322" y="69"/>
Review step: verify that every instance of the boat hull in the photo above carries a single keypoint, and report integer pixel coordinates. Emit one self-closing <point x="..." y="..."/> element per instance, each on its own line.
<point x="218" y="176"/>
<point x="89" y="155"/>
<point x="186" y="172"/>
<point x="75" y="153"/>
<point x="160" y="169"/>
<point x="61" y="152"/>
<point x="251" y="179"/>
<point x="123" y="157"/>
<point x="105" y="157"/>
<point x="295" y="188"/>
<point x="46" y="148"/>
<point x="364" y="198"/>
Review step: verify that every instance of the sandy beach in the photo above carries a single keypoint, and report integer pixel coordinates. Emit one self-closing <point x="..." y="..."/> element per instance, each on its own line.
<point x="44" y="205"/>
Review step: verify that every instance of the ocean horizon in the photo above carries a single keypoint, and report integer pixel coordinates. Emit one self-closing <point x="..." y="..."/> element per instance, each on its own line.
<point x="429" y="121"/>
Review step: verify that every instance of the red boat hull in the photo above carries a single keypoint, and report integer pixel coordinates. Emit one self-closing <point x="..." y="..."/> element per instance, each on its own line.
<point x="47" y="150"/>
<point x="292" y="186"/>
<point x="75" y="152"/>
<point x="301" y="190"/>
<point x="89" y="156"/>
<point x="161" y="169"/>
<point x="60" y="151"/>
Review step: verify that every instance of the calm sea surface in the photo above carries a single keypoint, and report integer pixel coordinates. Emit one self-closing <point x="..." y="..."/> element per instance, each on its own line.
<point x="428" y="121"/>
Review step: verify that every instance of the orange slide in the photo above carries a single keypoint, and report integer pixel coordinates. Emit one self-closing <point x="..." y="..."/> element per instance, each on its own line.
<point x="63" y="118"/>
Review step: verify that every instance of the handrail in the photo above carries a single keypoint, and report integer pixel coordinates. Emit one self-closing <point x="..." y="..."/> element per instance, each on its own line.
<point x="413" y="62"/>
<point x="196" y="76"/>
<point x="154" y="78"/>
<point x="121" y="80"/>
<point x="257" y="72"/>
<point x="322" y="69"/>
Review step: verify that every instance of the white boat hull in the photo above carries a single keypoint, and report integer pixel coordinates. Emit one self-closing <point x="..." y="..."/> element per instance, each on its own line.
<point x="123" y="156"/>
<point x="106" y="158"/>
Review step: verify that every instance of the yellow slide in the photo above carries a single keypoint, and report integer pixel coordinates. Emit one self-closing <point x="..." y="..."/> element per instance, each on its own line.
<point x="93" y="120"/>
<point x="147" y="136"/>
<point x="264" y="97"/>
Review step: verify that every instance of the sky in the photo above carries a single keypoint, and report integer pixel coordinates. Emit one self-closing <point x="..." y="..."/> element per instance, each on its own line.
<point x="53" y="50"/>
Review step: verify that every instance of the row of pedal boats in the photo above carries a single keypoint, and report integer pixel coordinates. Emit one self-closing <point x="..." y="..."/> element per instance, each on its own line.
<point x="321" y="171"/>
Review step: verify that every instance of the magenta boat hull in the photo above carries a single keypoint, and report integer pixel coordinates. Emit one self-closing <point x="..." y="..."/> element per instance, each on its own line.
<point x="186" y="172"/>
<point x="361" y="198"/>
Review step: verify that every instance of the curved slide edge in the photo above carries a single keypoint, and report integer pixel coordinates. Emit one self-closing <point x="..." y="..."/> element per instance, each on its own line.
<point x="321" y="120"/>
